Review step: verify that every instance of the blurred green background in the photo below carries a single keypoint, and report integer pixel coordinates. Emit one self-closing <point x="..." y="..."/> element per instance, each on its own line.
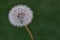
<point x="45" y="25"/>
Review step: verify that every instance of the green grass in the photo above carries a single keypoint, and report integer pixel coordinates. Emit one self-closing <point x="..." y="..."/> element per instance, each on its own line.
<point x="45" y="25"/>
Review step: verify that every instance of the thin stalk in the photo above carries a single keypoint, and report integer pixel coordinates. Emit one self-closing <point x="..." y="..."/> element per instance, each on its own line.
<point x="31" y="36"/>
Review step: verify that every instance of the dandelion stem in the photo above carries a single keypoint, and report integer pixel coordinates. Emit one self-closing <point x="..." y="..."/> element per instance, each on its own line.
<point x="29" y="32"/>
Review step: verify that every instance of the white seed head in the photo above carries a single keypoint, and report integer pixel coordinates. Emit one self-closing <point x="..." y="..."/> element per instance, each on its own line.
<point x="20" y="15"/>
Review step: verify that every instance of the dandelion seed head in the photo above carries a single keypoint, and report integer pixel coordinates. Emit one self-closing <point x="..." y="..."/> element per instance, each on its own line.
<point x="20" y="15"/>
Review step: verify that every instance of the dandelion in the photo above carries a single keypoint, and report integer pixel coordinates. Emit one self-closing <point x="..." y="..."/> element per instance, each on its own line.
<point x="21" y="15"/>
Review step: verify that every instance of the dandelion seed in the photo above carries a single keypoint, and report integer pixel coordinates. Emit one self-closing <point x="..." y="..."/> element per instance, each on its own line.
<point x="20" y="15"/>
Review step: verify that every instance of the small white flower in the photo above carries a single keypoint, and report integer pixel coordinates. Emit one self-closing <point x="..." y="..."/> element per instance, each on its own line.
<point x="20" y="15"/>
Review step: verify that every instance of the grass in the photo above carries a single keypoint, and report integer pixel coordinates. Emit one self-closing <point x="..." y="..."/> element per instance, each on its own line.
<point x="45" y="25"/>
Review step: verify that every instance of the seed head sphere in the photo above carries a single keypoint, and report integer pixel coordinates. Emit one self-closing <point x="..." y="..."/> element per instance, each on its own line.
<point x="20" y="15"/>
